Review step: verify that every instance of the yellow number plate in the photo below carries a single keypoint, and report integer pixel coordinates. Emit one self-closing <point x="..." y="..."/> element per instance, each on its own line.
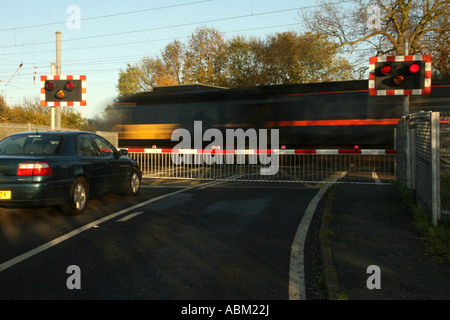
<point x="5" y="195"/>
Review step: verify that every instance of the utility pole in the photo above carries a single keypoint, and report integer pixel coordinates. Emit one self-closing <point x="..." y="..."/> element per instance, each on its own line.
<point x="52" y="110"/>
<point x="58" y="72"/>
<point x="406" y="97"/>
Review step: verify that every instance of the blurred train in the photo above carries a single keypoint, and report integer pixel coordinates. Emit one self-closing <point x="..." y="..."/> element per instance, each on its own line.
<point x="314" y="115"/>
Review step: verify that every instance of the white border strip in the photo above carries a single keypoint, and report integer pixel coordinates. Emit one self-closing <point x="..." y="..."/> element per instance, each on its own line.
<point x="276" y="151"/>
<point x="297" y="289"/>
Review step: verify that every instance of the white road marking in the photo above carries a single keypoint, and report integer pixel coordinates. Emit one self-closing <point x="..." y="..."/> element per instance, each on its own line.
<point x="297" y="268"/>
<point x="163" y="187"/>
<point x="375" y="177"/>
<point x="54" y="242"/>
<point x="214" y="183"/>
<point x="128" y="217"/>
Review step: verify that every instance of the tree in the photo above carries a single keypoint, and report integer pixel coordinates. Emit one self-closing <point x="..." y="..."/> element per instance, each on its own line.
<point x="282" y="58"/>
<point x="130" y="81"/>
<point x="31" y="111"/>
<point x="73" y="119"/>
<point x="151" y="72"/>
<point x="242" y="65"/>
<point x="3" y="108"/>
<point x="290" y="58"/>
<point x="172" y="57"/>
<point x="206" y="58"/>
<point x="164" y="70"/>
<point x="438" y="45"/>
<point x="419" y="21"/>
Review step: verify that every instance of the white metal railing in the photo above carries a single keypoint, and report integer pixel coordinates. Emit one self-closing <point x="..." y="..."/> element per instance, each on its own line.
<point x="307" y="166"/>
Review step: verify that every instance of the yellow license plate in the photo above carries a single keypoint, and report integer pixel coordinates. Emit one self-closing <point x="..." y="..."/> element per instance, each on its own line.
<point x="4" y="195"/>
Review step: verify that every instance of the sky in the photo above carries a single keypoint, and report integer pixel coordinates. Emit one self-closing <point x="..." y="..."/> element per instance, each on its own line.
<point x="99" y="38"/>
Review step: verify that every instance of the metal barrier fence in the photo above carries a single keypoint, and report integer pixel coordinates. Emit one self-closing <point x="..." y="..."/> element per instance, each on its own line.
<point x="400" y="146"/>
<point x="419" y="160"/>
<point x="444" y="136"/>
<point x="307" y="166"/>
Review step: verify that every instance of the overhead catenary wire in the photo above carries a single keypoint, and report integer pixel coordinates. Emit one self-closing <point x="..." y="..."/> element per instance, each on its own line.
<point x="147" y="41"/>
<point x="66" y="48"/>
<point x="125" y="59"/>
<point x="13" y="75"/>
<point x="105" y="16"/>
<point x="177" y="25"/>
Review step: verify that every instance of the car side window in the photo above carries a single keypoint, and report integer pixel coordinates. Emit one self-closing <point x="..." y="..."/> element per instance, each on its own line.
<point x="86" y="147"/>
<point x="106" y="149"/>
<point x="12" y="145"/>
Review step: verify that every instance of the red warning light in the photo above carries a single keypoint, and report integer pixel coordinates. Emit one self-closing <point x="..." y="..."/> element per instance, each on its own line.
<point x="386" y="69"/>
<point x="70" y="86"/>
<point x="414" y="68"/>
<point x="49" y="86"/>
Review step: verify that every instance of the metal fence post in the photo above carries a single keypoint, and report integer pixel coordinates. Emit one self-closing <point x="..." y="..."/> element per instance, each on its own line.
<point x="412" y="160"/>
<point x="408" y="153"/>
<point x="400" y="146"/>
<point x="435" y="167"/>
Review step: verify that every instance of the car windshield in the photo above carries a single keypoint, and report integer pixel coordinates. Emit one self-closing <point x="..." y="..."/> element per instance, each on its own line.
<point x="31" y="144"/>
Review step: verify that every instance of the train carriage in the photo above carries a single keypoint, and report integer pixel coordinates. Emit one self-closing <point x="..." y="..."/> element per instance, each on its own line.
<point x="315" y="115"/>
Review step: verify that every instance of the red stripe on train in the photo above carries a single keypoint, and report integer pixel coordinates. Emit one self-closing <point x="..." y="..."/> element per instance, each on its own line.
<point x="344" y="122"/>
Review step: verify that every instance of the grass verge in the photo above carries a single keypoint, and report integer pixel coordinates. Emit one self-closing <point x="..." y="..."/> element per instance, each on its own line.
<point x="436" y="238"/>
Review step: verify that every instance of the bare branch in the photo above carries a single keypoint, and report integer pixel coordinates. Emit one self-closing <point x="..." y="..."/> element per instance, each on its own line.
<point x="415" y="20"/>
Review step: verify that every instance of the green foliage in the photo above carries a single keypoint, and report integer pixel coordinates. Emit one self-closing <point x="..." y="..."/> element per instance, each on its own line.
<point x="341" y="296"/>
<point x="242" y="65"/>
<point x="292" y="58"/>
<point x="207" y="58"/>
<point x="31" y="111"/>
<point x="436" y="238"/>
<point x="129" y="81"/>
<point x="72" y="119"/>
<point x="3" y="108"/>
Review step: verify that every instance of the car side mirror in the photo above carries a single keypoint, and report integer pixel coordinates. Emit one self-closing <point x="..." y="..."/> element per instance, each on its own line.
<point x="123" y="152"/>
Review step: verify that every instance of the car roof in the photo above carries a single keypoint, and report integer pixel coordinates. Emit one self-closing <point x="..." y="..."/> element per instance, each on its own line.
<point x="64" y="133"/>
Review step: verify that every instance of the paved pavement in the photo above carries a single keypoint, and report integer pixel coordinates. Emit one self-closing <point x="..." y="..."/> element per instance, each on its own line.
<point x="371" y="226"/>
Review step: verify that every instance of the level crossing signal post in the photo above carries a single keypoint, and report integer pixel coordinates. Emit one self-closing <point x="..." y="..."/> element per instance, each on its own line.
<point x="63" y="91"/>
<point x="400" y="75"/>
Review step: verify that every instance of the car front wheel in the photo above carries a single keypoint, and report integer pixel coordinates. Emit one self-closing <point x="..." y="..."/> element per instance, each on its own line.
<point x="78" y="198"/>
<point x="133" y="184"/>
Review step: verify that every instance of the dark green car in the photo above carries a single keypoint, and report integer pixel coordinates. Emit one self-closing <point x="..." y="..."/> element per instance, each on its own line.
<point x="63" y="169"/>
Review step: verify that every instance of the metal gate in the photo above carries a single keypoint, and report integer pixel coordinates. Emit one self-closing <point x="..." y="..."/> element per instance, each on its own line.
<point x="305" y="166"/>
